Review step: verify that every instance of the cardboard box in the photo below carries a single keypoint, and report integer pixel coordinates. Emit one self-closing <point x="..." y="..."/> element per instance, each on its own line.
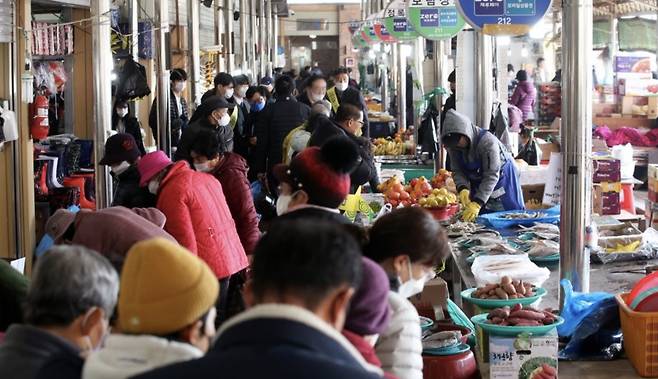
<point x="652" y="170"/>
<point x="433" y="300"/>
<point x="547" y="149"/>
<point x="651" y="214"/>
<point x="606" y="169"/>
<point x="533" y="192"/>
<point x="606" y="199"/>
<point x="513" y="358"/>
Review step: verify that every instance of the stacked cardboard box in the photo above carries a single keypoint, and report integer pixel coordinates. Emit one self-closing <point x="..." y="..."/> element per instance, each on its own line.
<point x="651" y="206"/>
<point x="607" y="185"/>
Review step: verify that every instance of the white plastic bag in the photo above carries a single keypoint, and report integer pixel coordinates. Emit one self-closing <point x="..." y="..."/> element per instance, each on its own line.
<point x="625" y="154"/>
<point x="489" y="269"/>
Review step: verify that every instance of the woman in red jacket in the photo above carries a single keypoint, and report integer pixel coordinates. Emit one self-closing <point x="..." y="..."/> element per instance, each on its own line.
<point x="210" y="155"/>
<point x="197" y="216"/>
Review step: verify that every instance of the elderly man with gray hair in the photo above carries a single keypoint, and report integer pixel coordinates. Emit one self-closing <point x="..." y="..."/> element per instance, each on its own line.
<point x="69" y="302"/>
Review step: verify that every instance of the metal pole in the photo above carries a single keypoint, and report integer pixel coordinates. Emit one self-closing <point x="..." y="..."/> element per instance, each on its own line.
<point x="395" y="59"/>
<point x="134" y="48"/>
<point x="261" y="37"/>
<point x="484" y="85"/>
<point x="102" y="67"/>
<point x="244" y="47"/>
<point x="275" y="38"/>
<point x="253" y="40"/>
<point x="229" y="50"/>
<point x="194" y="50"/>
<point x="439" y="80"/>
<point x="268" y="40"/>
<point x="402" y="89"/>
<point x="363" y="9"/>
<point x="161" y="48"/>
<point x="419" y="58"/>
<point x="576" y="134"/>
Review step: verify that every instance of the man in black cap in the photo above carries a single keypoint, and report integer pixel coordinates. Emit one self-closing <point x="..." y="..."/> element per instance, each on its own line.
<point x="122" y="154"/>
<point x="212" y="114"/>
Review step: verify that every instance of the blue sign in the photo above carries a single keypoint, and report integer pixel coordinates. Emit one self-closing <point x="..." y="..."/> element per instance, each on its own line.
<point x="448" y="17"/>
<point x="400" y="24"/>
<point x="429" y="17"/>
<point x="503" y="17"/>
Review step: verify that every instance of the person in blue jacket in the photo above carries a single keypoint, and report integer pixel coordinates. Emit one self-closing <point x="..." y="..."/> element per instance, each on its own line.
<point x="484" y="172"/>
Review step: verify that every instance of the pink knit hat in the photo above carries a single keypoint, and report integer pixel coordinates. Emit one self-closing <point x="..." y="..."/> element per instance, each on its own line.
<point x="151" y="164"/>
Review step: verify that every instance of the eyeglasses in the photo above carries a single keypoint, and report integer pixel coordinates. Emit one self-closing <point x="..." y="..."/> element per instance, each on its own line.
<point x="359" y="121"/>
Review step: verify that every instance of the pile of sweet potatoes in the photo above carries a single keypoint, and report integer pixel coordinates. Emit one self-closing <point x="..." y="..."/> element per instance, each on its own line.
<point x="507" y="289"/>
<point x="520" y="316"/>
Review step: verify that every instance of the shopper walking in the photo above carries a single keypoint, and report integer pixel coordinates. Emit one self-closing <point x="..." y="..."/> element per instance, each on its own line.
<point x="349" y="122"/>
<point x="315" y="89"/>
<point x="210" y="155"/>
<point x="304" y="276"/>
<point x="110" y="231"/>
<point x="239" y="115"/>
<point x="524" y="96"/>
<point x="69" y="302"/>
<point x="121" y="155"/>
<point x="213" y="115"/>
<point x="166" y="312"/>
<point x="124" y="122"/>
<point x="343" y="93"/>
<point x="316" y="182"/>
<point x="279" y="119"/>
<point x="197" y="216"/>
<point x="178" y="110"/>
<point x="258" y="98"/>
<point x="408" y="243"/>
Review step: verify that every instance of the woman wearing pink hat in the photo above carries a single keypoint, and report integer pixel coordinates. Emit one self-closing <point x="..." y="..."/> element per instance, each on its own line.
<point x="197" y="216"/>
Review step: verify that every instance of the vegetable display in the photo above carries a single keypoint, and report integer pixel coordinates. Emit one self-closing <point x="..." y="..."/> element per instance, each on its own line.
<point x="505" y="290"/>
<point x="520" y="316"/>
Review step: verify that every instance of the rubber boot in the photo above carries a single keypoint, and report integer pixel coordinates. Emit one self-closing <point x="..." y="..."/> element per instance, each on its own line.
<point x="80" y="184"/>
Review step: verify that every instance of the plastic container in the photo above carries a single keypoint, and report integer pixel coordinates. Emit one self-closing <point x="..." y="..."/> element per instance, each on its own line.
<point x="460" y="366"/>
<point x="640" y="337"/>
<point x="444" y="213"/>
<point x="497" y="221"/>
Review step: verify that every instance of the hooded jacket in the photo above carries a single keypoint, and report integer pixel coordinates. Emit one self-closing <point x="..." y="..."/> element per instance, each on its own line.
<point x="524" y="98"/>
<point x="232" y="174"/>
<point x="200" y="220"/>
<point x="126" y="355"/>
<point x="276" y="341"/>
<point x="224" y="133"/>
<point x="489" y="151"/>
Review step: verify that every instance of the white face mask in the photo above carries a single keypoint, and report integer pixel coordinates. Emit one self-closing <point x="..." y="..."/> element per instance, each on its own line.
<point x="414" y="286"/>
<point x="341" y="86"/>
<point x="202" y="167"/>
<point x="154" y="185"/>
<point x="229" y="93"/>
<point x="120" y="168"/>
<point x="179" y="87"/>
<point x="282" y="204"/>
<point x="315" y="97"/>
<point x="225" y="120"/>
<point x="122" y="112"/>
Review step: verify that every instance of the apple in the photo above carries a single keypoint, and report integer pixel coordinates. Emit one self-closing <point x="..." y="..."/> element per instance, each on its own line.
<point x="394" y="203"/>
<point x="397" y="187"/>
<point x="413" y="182"/>
<point x="404" y="195"/>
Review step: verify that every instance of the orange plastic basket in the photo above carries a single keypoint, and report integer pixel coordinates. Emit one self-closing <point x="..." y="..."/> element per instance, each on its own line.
<point x="640" y="337"/>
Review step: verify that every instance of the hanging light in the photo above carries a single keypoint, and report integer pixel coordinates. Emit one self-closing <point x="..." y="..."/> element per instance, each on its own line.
<point x="27" y="87"/>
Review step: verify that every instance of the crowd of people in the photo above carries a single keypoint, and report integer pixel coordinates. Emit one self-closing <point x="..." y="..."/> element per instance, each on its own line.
<point x="179" y="278"/>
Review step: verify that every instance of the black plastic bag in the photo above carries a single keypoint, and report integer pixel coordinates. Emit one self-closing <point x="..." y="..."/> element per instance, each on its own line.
<point x="132" y="82"/>
<point x="529" y="153"/>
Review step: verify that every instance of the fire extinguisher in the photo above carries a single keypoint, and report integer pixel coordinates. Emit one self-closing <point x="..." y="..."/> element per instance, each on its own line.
<point x="39" y="126"/>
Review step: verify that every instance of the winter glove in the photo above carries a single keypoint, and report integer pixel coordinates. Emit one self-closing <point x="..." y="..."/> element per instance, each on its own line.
<point x="465" y="197"/>
<point x="471" y="211"/>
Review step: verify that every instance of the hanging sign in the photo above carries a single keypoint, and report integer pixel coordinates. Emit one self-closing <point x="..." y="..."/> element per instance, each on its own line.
<point x="435" y="19"/>
<point x="369" y="31"/>
<point x="503" y="17"/>
<point x="380" y="29"/>
<point x="396" y="22"/>
<point x="358" y="42"/>
<point x="364" y="36"/>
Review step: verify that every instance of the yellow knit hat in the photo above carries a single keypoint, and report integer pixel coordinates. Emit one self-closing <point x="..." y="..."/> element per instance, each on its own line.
<point x="164" y="288"/>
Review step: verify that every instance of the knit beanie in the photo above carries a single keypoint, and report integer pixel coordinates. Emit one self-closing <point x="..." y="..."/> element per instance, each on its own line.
<point x="323" y="173"/>
<point x="164" y="288"/>
<point x="369" y="311"/>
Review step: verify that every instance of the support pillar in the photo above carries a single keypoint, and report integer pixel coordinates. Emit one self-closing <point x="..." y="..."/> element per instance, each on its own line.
<point x="229" y="51"/>
<point x="394" y="64"/>
<point x="576" y="135"/>
<point x="161" y="60"/>
<point x="268" y="38"/>
<point x="275" y="39"/>
<point x="402" y="88"/>
<point x="244" y="42"/>
<point x="262" y="31"/>
<point x="484" y="83"/>
<point x="102" y="66"/>
<point x="253" y="40"/>
<point x="194" y="50"/>
<point x="440" y="78"/>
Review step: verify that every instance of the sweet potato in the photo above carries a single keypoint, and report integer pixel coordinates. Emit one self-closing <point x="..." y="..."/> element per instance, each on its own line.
<point x="515" y="320"/>
<point x="505" y="280"/>
<point x="528" y="315"/>
<point x="516" y="307"/>
<point x="500" y="312"/>
<point x="489" y="287"/>
<point x="528" y="323"/>
<point x="509" y="289"/>
<point x="502" y="294"/>
<point x="520" y="289"/>
<point x="496" y="320"/>
<point x="550" y="370"/>
<point x="491" y="292"/>
<point x="548" y="321"/>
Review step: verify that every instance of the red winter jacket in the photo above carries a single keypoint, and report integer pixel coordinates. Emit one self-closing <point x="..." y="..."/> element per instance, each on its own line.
<point x="366" y="350"/>
<point x="199" y="219"/>
<point x="232" y="173"/>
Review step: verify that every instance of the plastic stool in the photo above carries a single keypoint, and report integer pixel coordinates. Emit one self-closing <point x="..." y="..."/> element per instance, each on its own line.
<point x="627" y="199"/>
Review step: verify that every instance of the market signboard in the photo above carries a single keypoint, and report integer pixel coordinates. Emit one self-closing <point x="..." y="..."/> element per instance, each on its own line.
<point x="369" y="30"/>
<point x="396" y="22"/>
<point x="503" y="17"/>
<point x="381" y="30"/>
<point x="358" y="42"/>
<point x="435" y="19"/>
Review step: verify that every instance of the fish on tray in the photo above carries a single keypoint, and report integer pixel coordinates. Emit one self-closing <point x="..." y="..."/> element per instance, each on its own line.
<point x="542" y="228"/>
<point x="523" y="215"/>
<point x="544" y="248"/>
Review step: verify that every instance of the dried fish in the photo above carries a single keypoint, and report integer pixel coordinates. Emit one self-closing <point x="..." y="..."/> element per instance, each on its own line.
<point x="542" y="228"/>
<point x="523" y="215"/>
<point x="544" y="248"/>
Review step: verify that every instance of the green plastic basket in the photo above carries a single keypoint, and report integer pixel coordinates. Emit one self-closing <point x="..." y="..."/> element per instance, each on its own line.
<point x="513" y="331"/>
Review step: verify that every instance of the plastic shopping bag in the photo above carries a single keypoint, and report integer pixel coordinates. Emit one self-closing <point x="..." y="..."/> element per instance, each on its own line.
<point x="577" y="306"/>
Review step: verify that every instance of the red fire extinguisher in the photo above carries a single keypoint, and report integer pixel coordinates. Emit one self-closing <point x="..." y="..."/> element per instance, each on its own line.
<point x="39" y="126"/>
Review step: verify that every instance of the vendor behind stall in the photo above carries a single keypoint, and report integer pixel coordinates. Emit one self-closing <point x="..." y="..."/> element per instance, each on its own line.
<point x="483" y="170"/>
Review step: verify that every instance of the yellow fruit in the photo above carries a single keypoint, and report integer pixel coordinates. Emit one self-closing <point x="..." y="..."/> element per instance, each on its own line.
<point x="433" y="203"/>
<point x="422" y="201"/>
<point x="436" y="191"/>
